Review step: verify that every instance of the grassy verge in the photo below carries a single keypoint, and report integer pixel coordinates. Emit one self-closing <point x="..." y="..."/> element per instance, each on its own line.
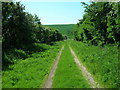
<point x="31" y="72"/>
<point x="68" y="75"/>
<point x="102" y="63"/>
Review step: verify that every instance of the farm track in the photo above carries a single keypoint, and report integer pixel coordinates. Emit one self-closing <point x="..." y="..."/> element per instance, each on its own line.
<point x="86" y="74"/>
<point x="48" y="83"/>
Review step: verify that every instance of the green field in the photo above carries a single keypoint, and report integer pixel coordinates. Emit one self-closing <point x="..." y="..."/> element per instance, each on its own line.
<point x="66" y="29"/>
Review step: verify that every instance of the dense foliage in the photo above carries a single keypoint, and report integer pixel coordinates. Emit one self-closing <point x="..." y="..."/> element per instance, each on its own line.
<point x="100" y="24"/>
<point x="21" y="29"/>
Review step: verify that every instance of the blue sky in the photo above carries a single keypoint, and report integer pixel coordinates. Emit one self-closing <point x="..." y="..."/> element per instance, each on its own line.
<point x="56" y="12"/>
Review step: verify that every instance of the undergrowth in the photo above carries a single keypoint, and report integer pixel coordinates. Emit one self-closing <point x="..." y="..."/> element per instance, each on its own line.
<point x="32" y="71"/>
<point x="101" y="62"/>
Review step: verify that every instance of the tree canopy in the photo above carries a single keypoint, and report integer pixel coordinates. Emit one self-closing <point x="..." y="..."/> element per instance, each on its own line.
<point x="100" y="24"/>
<point x="21" y="28"/>
<point x="23" y="32"/>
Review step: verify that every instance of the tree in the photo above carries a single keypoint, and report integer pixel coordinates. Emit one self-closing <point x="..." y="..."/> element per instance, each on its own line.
<point x="17" y="25"/>
<point x="99" y="25"/>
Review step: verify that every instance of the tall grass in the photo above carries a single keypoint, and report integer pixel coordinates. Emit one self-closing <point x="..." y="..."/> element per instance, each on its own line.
<point x="32" y="71"/>
<point x="13" y="55"/>
<point x="101" y="62"/>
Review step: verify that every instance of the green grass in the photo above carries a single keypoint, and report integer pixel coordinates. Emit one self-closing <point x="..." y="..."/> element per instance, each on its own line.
<point x="31" y="72"/>
<point x="66" y="29"/>
<point x="13" y="55"/>
<point x="102" y="63"/>
<point x="68" y="75"/>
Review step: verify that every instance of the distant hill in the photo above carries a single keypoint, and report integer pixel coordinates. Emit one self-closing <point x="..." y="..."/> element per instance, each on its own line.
<point x="66" y="29"/>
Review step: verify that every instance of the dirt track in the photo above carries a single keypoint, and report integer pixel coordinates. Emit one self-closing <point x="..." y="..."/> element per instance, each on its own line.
<point x="48" y="83"/>
<point x="86" y="74"/>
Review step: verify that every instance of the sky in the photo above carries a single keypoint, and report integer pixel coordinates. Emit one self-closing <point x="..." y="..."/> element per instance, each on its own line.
<point x="56" y="12"/>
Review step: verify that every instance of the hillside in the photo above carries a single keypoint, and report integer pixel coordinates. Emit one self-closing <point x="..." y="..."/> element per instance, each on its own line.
<point x="66" y="29"/>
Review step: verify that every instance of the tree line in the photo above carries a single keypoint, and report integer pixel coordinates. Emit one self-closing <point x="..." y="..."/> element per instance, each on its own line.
<point x="100" y="24"/>
<point x="21" y="29"/>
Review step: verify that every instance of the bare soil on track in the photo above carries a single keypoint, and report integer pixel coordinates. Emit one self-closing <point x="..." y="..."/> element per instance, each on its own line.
<point x="48" y="83"/>
<point x="86" y="74"/>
